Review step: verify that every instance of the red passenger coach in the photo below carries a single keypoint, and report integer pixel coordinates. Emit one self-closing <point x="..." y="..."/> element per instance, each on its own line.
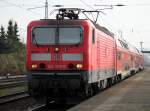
<point x="72" y="56"/>
<point x="129" y="59"/>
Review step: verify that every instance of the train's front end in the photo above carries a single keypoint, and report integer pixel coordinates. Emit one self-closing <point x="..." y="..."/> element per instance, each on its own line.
<point x="56" y="57"/>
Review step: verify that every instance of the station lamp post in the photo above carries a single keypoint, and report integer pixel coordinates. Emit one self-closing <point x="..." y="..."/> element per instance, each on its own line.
<point x="141" y="44"/>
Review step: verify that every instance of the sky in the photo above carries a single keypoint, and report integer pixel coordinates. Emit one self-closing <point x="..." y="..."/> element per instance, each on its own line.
<point x="133" y="20"/>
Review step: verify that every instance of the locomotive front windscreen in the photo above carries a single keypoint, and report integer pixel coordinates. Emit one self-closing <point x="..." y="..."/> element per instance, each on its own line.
<point x="61" y="35"/>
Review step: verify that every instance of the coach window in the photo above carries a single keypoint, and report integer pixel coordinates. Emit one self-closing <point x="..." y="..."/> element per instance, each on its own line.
<point x="93" y="36"/>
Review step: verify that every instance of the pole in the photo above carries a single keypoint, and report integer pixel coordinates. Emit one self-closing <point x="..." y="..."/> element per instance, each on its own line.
<point x="141" y="43"/>
<point x="46" y="9"/>
<point x="120" y="33"/>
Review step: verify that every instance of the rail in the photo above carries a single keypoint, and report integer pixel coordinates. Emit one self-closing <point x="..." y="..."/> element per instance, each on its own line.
<point x="12" y="86"/>
<point x="12" y="77"/>
<point x="13" y="97"/>
<point x="39" y="107"/>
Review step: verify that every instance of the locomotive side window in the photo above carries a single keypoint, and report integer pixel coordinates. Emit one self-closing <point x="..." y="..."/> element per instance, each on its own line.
<point x="43" y="35"/>
<point x="93" y="36"/>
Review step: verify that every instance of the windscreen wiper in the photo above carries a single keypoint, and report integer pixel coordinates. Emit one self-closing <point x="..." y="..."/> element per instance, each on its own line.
<point x="33" y="37"/>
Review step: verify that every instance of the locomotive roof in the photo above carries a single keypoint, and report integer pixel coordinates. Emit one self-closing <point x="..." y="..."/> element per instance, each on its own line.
<point x="104" y="29"/>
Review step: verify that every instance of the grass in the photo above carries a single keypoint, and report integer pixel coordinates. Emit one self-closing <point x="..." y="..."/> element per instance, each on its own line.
<point x="13" y="63"/>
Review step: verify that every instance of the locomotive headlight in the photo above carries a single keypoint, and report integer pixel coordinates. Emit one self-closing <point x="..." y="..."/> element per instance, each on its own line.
<point x="34" y="66"/>
<point x="56" y="49"/>
<point x="79" y="66"/>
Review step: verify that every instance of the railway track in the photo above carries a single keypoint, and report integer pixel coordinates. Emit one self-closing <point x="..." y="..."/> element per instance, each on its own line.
<point x="39" y="107"/>
<point x="13" y="97"/>
<point x="12" y="79"/>
<point x="7" y="100"/>
<point x="12" y="86"/>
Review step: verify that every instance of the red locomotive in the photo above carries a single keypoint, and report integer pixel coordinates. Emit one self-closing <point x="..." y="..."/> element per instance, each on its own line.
<point x="75" y="57"/>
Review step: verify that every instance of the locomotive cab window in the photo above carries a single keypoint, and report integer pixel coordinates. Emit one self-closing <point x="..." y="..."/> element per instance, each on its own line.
<point x="59" y="35"/>
<point x="70" y="35"/>
<point x="93" y="36"/>
<point x="43" y="35"/>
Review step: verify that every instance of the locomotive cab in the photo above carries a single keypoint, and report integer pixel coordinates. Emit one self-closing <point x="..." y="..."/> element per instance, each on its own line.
<point x="56" y="48"/>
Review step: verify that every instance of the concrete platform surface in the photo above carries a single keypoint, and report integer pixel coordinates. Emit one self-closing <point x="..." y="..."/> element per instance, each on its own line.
<point x="132" y="94"/>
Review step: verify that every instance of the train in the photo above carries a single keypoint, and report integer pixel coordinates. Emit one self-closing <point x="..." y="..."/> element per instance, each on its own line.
<point x="75" y="57"/>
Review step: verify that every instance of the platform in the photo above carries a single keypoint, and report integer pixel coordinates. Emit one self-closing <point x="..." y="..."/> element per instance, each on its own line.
<point x="132" y="94"/>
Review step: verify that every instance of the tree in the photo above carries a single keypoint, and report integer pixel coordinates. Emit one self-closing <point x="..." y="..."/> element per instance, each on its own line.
<point x="10" y="33"/>
<point x="10" y="30"/>
<point x="9" y="41"/>
<point x="2" y="39"/>
<point x="2" y="34"/>
<point x="16" y="32"/>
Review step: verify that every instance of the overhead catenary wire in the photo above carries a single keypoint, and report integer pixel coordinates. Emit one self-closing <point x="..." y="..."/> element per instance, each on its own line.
<point x="86" y="4"/>
<point x="22" y="30"/>
<point x="35" y="7"/>
<point x="19" y="6"/>
<point x="137" y="5"/>
<point x="106" y="21"/>
<point x="46" y="8"/>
